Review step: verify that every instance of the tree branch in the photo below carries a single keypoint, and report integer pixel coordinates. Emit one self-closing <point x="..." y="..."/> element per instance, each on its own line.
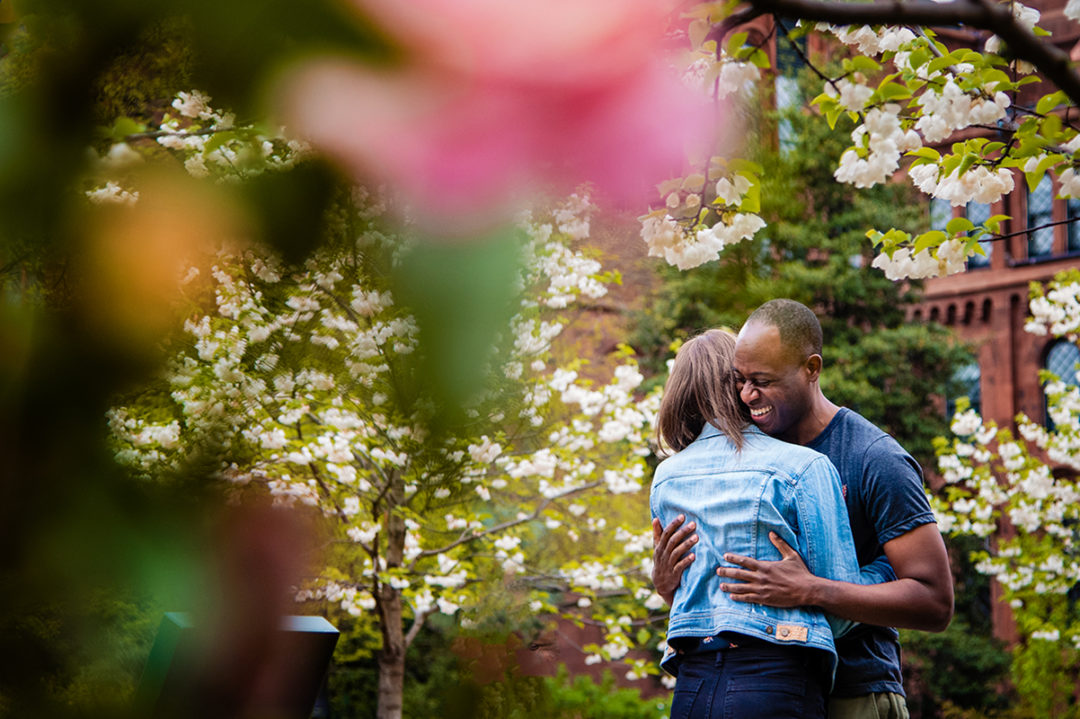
<point x="1051" y="61"/>
<point x="417" y="625"/>
<point x="501" y="527"/>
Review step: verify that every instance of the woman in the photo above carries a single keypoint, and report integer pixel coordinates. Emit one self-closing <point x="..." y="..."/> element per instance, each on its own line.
<point x="737" y="659"/>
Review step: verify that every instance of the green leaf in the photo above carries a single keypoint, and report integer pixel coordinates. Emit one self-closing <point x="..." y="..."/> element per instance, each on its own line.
<point x="919" y="57"/>
<point x="218" y="139"/>
<point x="894" y="91"/>
<point x="966" y="163"/>
<point x="940" y="63"/>
<point x="862" y="63"/>
<point x="734" y="42"/>
<point x="933" y="238"/>
<point x="751" y="201"/>
<point x="832" y="114"/>
<point x="758" y="58"/>
<point x="123" y="127"/>
<point x="927" y="152"/>
<point x="994" y="223"/>
<point x="1049" y="161"/>
<point x="1050" y="127"/>
<point x="993" y="74"/>
<point x="959" y="224"/>
<point x="1049" y="102"/>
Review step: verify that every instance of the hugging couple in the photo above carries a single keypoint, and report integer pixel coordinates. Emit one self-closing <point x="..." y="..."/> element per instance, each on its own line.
<point x="791" y="536"/>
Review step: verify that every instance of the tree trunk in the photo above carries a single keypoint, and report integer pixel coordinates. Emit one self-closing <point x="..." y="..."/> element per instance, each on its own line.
<point x="392" y="655"/>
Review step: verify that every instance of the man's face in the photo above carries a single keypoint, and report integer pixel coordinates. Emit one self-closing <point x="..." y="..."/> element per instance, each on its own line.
<point x="773" y="382"/>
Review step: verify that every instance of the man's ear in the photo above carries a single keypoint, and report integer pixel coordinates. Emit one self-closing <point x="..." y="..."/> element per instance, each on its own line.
<point x="813" y="367"/>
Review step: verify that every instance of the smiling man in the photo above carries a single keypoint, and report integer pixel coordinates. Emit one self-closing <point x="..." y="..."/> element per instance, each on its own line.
<point x="777" y="365"/>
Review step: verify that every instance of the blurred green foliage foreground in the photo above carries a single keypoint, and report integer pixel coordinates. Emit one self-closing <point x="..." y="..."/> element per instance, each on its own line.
<point x="76" y="533"/>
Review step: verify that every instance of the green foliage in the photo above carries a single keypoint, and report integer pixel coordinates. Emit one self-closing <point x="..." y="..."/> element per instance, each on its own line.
<point x="961" y="668"/>
<point x="144" y="77"/>
<point x="583" y="698"/>
<point x="814" y="250"/>
<point x="460" y="674"/>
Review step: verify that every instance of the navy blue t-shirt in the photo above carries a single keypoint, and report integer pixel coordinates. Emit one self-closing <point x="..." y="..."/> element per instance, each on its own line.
<point x="883" y="489"/>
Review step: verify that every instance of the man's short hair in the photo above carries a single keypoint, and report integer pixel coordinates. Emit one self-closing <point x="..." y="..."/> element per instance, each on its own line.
<point x="799" y="328"/>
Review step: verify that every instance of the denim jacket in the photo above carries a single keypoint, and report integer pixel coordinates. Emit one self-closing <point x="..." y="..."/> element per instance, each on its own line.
<point x="737" y="498"/>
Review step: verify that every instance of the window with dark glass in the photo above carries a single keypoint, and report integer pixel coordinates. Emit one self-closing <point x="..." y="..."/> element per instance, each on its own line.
<point x="1040" y="212"/>
<point x="978" y="213"/>
<point x="1062" y="359"/>
<point x="965" y="383"/>
<point x="940" y="213"/>
<point x="788" y="64"/>
<point x="1072" y="211"/>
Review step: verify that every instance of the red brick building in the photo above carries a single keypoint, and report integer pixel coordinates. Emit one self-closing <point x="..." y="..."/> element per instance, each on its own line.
<point x="987" y="305"/>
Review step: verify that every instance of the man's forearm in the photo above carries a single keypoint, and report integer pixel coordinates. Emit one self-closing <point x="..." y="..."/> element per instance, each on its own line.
<point x="904" y="603"/>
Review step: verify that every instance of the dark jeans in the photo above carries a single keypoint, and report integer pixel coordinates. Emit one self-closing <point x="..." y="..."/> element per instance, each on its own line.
<point x="757" y="680"/>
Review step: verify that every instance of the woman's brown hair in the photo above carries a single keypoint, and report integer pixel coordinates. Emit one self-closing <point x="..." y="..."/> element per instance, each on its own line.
<point x="701" y="388"/>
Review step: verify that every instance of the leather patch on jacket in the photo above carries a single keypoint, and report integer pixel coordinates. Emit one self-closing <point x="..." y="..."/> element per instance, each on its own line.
<point x="791" y="633"/>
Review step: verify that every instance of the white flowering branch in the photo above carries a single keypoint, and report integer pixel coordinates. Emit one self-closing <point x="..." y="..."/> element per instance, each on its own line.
<point x="1050" y="60"/>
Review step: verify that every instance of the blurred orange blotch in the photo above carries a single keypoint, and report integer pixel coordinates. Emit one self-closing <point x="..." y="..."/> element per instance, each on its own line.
<point x="135" y="257"/>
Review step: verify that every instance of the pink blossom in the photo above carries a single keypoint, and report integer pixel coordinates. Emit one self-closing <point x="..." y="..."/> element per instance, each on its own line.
<point x="500" y="100"/>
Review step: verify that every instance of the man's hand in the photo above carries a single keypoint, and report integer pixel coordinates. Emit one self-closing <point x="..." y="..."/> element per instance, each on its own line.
<point x="775" y="584"/>
<point x="671" y="557"/>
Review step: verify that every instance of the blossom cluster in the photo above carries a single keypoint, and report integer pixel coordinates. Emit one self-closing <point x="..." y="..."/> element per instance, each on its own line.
<point x="711" y="212"/>
<point x="947" y="259"/>
<point x="211" y="143"/>
<point x="721" y="78"/>
<point x="882" y="138"/>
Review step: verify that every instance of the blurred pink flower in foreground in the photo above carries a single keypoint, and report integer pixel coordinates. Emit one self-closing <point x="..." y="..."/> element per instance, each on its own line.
<point x="500" y="99"/>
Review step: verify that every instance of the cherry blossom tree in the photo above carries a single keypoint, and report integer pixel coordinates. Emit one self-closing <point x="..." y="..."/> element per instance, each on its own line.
<point x="303" y="383"/>
<point x="1004" y="489"/>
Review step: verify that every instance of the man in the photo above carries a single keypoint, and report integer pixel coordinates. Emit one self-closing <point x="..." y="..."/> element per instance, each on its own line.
<point x="777" y="365"/>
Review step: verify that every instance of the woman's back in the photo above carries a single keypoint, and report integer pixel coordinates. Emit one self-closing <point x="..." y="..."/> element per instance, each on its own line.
<point x="737" y="497"/>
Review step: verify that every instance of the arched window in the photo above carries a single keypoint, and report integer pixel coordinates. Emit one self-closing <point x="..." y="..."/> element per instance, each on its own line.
<point x="1040" y="206"/>
<point x="978" y="213"/>
<point x="965" y="383"/>
<point x="1062" y="359"/>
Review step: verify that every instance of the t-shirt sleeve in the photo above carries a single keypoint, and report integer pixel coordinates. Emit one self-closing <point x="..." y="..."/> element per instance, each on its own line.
<point x="895" y="500"/>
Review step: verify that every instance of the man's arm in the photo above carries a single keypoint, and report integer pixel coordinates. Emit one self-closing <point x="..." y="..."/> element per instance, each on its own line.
<point x="671" y="557"/>
<point x="920" y="598"/>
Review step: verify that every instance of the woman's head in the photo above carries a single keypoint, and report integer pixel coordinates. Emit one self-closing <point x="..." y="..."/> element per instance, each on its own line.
<point x="701" y="388"/>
